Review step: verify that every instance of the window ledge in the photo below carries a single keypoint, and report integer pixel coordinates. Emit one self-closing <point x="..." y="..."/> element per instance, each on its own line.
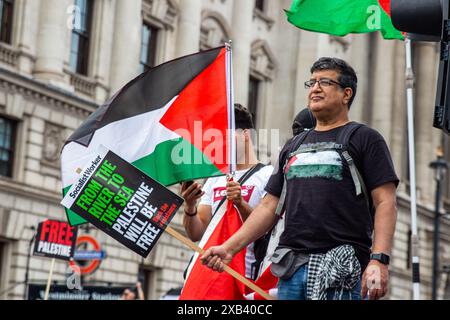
<point x="8" y="54"/>
<point x="83" y="84"/>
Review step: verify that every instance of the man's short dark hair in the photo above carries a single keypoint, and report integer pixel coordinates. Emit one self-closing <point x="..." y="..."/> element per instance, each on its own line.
<point x="243" y="117"/>
<point x="347" y="75"/>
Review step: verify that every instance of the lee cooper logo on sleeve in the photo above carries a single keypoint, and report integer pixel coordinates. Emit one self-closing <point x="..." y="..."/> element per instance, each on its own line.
<point x="123" y="202"/>
<point x="55" y="239"/>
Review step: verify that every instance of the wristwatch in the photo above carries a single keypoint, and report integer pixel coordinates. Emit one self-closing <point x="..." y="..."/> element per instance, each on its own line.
<point x="381" y="257"/>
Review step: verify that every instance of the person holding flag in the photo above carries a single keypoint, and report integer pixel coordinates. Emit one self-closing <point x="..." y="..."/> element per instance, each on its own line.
<point x="337" y="185"/>
<point x="245" y="190"/>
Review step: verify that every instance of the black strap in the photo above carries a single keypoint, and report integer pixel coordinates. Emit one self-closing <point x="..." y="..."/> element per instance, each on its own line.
<point x="343" y="138"/>
<point x="346" y="132"/>
<point x="241" y="181"/>
<point x="297" y="142"/>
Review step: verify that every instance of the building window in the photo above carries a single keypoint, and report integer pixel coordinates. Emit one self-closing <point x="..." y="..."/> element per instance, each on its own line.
<point x="79" y="50"/>
<point x="260" y="5"/>
<point x="6" y="16"/>
<point x="7" y="135"/>
<point x="148" y="47"/>
<point x="253" y="94"/>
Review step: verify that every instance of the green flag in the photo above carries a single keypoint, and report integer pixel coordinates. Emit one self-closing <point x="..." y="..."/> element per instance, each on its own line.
<point x="341" y="17"/>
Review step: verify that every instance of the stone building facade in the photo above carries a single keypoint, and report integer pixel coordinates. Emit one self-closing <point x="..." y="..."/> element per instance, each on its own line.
<point x="61" y="59"/>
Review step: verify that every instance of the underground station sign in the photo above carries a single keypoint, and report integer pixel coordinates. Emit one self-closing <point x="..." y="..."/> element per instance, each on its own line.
<point x="88" y="255"/>
<point x="61" y="292"/>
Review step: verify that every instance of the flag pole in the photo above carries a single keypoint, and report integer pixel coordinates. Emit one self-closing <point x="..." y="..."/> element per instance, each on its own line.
<point x="410" y="84"/>
<point x="49" y="280"/>
<point x="227" y="269"/>
<point x="231" y="119"/>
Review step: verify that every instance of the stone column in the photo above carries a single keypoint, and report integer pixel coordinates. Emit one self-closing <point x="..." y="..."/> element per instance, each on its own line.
<point x="359" y="60"/>
<point x="51" y="40"/>
<point x="399" y="125"/>
<point x="26" y="33"/>
<point x="307" y="54"/>
<point x="242" y="40"/>
<point x="102" y="44"/>
<point x="383" y="86"/>
<point x="127" y="43"/>
<point x="285" y="80"/>
<point x="189" y="23"/>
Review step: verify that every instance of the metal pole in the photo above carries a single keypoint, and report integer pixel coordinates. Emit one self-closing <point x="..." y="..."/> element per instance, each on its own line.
<point x="231" y="119"/>
<point x="412" y="171"/>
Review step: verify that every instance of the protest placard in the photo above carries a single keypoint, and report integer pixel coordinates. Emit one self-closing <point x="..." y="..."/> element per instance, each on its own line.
<point x="122" y="201"/>
<point x="131" y="207"/>
<point x="55" y="239"/>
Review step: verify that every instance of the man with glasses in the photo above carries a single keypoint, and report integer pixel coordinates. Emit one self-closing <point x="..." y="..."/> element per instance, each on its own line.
<point x="337" y="186"/>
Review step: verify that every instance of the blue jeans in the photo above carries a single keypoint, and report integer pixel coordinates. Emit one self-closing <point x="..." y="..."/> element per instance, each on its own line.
<point x="294" y="288"/>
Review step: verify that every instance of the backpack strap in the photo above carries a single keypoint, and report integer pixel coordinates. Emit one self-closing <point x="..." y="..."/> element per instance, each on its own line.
<point x="293" y="151"/>
<point x="343" y="139"/>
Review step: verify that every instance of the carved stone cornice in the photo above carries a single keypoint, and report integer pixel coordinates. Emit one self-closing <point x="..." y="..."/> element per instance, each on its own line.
<point x="215" y="30"/>
<point x="160" y="12"/>
<point x="343" y="42"/>
<point x="16" y="188"/>
<point x="262" y="63"/>
<point x="258" y="14"/>
<point x="46" y="94"/>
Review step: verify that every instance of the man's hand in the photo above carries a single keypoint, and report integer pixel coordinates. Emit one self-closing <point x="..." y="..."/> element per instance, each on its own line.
<point x="375" y="281"/>
<point x="190" y="195"/>
<point x="216" y="258"/>
<point x="234" y="192"/>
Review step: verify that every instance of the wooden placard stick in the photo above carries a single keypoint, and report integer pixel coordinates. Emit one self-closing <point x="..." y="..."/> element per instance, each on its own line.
<point x="227" y="269"/>
<point x="49" y="280"/>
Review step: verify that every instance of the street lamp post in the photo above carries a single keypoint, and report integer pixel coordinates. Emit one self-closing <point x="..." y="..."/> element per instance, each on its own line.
<point x="440" y="167"/>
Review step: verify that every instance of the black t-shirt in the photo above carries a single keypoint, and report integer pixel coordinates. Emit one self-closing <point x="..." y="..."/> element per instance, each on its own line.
<point x="322" y="209"/>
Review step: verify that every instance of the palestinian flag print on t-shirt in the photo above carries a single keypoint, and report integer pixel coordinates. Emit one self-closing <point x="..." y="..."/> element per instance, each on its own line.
<point x="322" y="164"/>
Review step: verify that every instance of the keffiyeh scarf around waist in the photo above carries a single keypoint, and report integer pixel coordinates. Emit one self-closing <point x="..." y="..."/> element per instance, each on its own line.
<point x="338" y="269"/>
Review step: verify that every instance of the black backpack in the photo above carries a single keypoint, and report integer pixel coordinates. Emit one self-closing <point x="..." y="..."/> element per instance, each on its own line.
<point x="342" y="147"/>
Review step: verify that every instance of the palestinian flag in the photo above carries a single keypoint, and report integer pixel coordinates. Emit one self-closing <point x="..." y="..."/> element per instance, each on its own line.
<point x="203" y="283"/>
<point x="341" y="17"/>
<point x="172" y="122"/>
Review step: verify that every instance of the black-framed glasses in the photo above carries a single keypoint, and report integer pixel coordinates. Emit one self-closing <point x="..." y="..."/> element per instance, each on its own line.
<point x="322" y="83"/>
